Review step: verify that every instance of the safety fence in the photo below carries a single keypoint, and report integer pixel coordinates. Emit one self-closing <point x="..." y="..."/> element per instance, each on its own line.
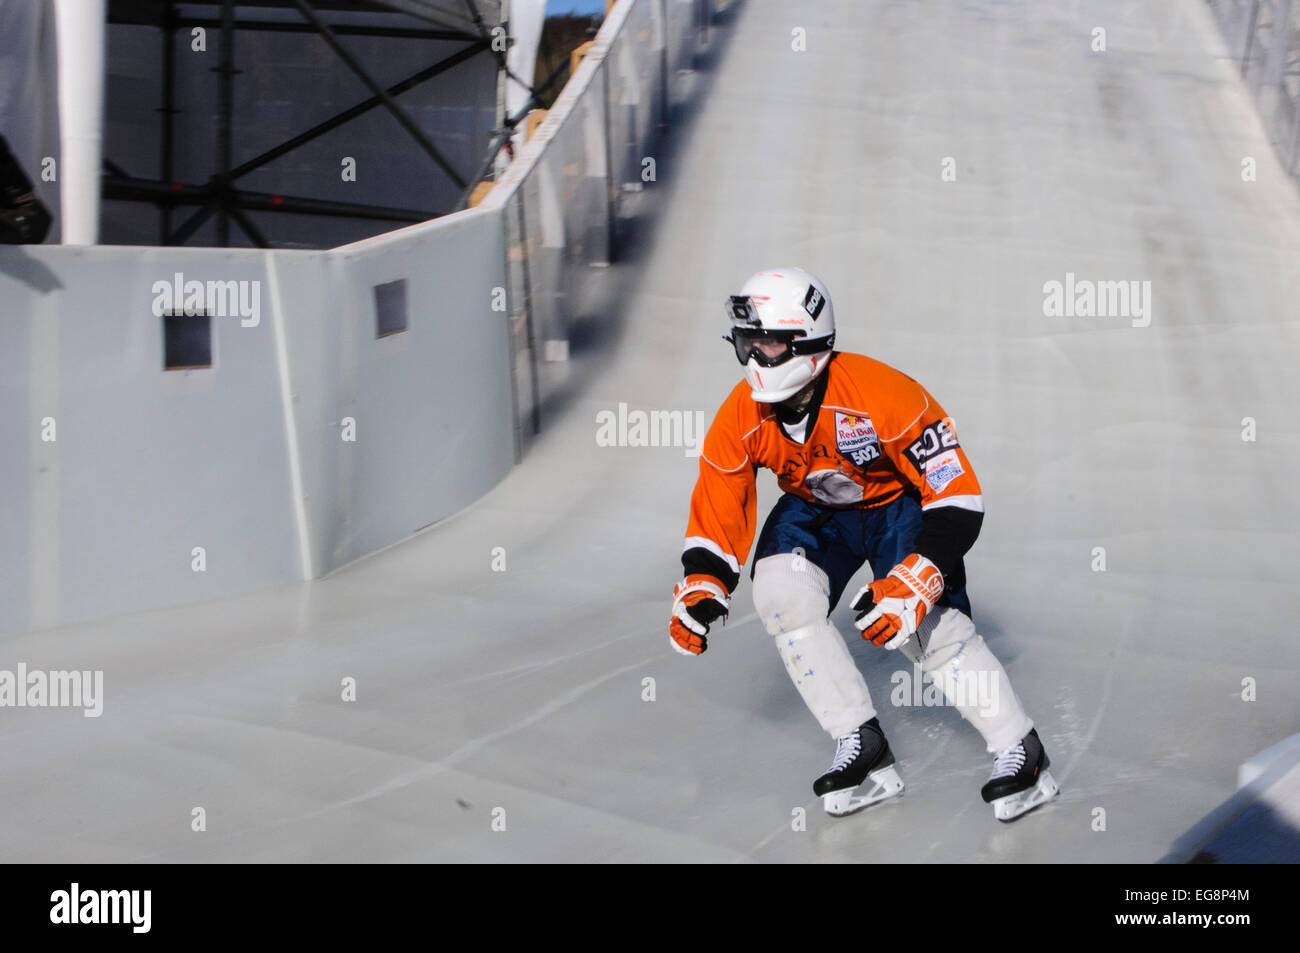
<point x="565" y="194"/>
<point x="1264" y="37"/>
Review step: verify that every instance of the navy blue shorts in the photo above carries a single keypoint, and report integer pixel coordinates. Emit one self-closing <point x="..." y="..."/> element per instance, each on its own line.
<point x="840" y="541"/>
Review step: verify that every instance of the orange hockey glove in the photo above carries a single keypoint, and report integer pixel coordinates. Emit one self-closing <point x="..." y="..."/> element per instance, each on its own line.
<point x="890" y="610"/>
<point x="698" y="602"/>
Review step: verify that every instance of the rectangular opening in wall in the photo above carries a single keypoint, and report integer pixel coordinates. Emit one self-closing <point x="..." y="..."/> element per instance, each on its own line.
<point x="390" y="308"/>
<point x="187" y="341"/>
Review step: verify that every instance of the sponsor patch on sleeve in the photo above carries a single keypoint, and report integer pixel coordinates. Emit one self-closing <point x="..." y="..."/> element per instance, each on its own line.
<point x="934" y="439"/>
<point x="942" y="470"/>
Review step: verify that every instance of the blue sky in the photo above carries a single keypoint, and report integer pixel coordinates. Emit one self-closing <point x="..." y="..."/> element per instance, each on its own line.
<point x="554" y="7"/>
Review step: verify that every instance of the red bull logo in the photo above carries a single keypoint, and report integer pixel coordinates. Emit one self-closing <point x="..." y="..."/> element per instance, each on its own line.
<point x="855" y="437"/>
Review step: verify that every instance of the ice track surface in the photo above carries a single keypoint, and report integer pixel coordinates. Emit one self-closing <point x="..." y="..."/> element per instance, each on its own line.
<point x="517" y="696"/>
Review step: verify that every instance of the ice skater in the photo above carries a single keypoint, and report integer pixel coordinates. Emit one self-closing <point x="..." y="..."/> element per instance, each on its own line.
<point x="872" y="472"/>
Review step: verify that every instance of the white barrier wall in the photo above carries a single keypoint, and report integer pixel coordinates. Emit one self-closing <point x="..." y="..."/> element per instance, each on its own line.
<point x="116" y="471"/>
<point x="312" y="438"/>
<point x="433" y="406"/>
<point x="310" y="441"/>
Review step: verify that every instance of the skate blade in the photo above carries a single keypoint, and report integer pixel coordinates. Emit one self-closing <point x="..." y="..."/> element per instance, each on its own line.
<point x="884" y="784"/>
<point x="1013" y="805"/>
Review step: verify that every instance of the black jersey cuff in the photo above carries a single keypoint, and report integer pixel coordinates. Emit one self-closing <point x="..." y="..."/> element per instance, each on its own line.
<point x="947" y="533"/>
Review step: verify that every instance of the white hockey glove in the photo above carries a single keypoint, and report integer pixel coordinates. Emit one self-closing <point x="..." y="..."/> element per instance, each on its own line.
<point x="890" y="610"/>
<point x="698" y="602"/>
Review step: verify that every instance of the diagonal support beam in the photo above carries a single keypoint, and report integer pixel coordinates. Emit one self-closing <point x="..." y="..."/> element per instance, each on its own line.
<point x="502" y="135"/>
<point x="249" y="229"/>
<point x="352" y="112"/>
<point x="187" y="228"/>
<point x="353" y="64"/>
<point x="498" y="54"/>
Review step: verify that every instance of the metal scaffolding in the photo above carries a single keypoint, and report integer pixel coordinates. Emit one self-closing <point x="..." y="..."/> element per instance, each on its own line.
<point x="478" y="23"/>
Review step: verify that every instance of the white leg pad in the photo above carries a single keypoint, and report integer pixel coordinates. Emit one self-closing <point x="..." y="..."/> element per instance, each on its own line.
<point x="970" y="677"/>
<point x="792" y="597"/>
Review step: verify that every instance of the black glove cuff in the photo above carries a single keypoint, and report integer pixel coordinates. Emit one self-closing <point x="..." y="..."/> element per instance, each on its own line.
<point x="706" y="611"/>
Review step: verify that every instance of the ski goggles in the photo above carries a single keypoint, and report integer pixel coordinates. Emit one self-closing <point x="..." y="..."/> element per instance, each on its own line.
<point x="765" y="348"/>
<point x="751" y="340"/>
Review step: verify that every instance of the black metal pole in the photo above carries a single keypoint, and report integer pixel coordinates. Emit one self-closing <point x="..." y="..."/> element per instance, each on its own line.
<point x="611" y="233"/>
<point x="124" y="188"/>
<point x="477" y="17"/>
<point x="493" y="145"/>
<point x="537" y="94"/>
<point x="512" y="123"/>
<point x="167" y="159"/>
<point x="192" y="224"/>
<point x="224" y="109"/>
<point x="1295" y="137"/>
<point x="272" y="26"/>
<point x="665" y="104"/>
<point x="1250" y="36"/>
<point x="530" y="333"/>
<point x="251" y="230"/>
<point x="266" y="202"/>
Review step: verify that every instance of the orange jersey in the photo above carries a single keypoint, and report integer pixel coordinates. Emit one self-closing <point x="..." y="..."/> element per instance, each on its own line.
<point x="876" y="435"/>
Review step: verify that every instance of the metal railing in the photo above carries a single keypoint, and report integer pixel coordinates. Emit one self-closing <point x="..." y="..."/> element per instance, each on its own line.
<point x="563" y="196"/>
<point x="1264" y="37"/>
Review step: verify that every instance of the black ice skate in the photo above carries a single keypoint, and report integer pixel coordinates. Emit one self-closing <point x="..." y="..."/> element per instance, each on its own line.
<point x="861" y="755"/>
<point x="1020" y="781"/>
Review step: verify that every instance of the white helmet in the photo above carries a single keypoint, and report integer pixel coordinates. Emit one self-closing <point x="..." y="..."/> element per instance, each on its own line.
<point x="783" y="329"/>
